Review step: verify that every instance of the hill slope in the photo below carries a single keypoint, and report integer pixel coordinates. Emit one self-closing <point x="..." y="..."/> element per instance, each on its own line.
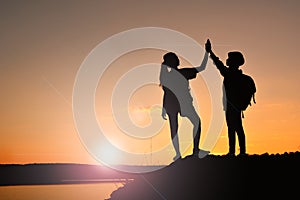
<point x="219" y="177"/>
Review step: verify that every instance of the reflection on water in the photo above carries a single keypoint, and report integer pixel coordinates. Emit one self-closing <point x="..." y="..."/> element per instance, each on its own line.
<point x="97" y="191"/>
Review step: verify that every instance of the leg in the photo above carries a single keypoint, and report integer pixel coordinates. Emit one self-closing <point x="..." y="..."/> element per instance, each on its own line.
<point x="173" y="119"/>
<point x="231" y="139"/>
<point x="195" y="120"/>
<point x="240" y="134"/>
<point x="196" y="135"/>
<point x="231" y="131"/>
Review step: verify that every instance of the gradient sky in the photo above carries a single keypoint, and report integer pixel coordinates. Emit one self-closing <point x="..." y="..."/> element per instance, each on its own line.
<point x="43" y="44"/>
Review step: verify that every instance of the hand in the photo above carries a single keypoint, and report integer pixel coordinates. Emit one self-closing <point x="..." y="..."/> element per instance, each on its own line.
<point x="208" y="46"/>
<point x="164" y="114"/>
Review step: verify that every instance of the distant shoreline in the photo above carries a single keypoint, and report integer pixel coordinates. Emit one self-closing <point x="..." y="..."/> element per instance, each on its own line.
<point x="58" y="174"/>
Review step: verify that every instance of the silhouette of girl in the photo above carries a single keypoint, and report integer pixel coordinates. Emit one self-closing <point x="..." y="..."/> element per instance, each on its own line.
<point x="177" y="97"/>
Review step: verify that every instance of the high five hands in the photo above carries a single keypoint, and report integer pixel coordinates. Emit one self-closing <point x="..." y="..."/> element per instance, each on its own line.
<point x="208" y="46"/>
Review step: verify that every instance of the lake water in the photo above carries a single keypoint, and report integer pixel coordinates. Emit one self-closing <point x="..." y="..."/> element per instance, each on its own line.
<point x="95" y="191"/>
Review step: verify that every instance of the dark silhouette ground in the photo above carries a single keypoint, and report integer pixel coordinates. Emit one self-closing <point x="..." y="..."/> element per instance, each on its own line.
<point x="219" y="177"/>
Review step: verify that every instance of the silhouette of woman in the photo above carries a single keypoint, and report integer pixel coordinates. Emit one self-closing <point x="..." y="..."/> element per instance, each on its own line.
<point x="177" y="97"/>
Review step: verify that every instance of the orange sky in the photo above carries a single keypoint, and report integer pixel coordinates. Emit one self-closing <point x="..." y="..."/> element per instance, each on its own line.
<point x="44" y="43"/>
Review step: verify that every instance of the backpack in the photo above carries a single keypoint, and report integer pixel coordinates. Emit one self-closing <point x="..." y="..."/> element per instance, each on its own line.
<point x="247" y="91"/>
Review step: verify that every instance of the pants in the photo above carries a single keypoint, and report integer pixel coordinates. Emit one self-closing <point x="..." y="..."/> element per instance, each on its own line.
<point x="234" y="124"/>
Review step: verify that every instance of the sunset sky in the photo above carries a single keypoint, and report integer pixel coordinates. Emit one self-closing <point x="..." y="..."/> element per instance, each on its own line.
<point x="43" y="44"/>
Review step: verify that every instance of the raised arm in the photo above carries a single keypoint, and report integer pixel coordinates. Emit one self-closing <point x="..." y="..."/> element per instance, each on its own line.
<point x="219" y="64"/>
<point x="203" y="64"/>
